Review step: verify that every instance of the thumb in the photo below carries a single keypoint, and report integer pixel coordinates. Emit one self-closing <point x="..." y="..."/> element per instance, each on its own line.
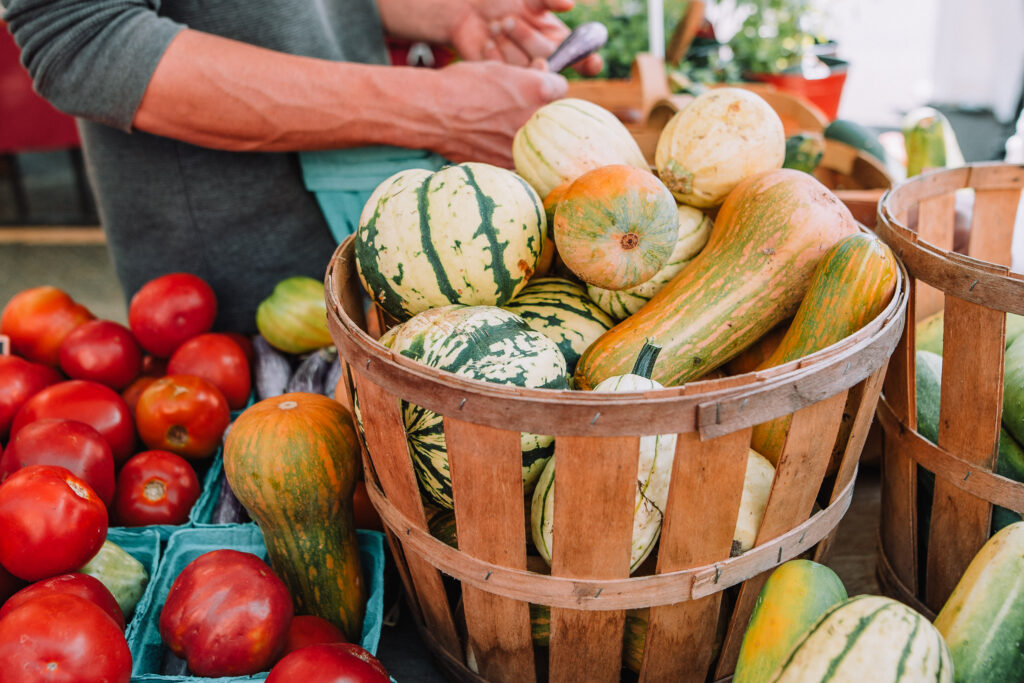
<point x="553" y="87"/>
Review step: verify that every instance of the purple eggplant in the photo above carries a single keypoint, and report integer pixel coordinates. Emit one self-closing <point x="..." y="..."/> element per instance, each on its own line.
<point x="271" y="369"/>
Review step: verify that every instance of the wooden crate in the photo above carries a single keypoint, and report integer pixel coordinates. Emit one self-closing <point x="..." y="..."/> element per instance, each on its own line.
<point x="976" y="291"/>
<point x="596" y="449"/>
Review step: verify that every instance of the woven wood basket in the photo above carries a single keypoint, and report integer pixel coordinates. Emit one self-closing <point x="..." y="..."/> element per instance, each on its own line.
<point x="596" y="450"/>
<point x="976" y="291"/>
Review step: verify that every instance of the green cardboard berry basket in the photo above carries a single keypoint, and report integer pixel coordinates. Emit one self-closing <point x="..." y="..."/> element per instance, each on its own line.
<point x="186" y="545"/>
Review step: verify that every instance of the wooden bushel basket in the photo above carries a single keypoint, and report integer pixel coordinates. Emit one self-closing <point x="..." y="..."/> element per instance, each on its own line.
<point x="976" y="293"/>
<point x="596" y="450"/>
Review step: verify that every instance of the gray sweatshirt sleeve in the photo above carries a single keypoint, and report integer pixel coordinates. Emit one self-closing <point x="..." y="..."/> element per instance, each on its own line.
<point x="91" y="58"/>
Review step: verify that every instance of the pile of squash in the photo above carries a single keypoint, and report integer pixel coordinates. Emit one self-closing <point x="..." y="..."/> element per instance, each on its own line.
<point x="587" y="269"/>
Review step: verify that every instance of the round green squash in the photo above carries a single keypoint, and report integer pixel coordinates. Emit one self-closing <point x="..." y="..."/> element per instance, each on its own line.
<point x="469" y="234"/>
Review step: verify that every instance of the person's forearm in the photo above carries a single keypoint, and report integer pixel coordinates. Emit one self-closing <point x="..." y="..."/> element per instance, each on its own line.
<point x="220" y="93"/>
<point x="430" y="21"/>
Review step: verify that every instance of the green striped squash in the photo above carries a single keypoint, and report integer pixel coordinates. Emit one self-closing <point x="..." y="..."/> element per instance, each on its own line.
<point x="983" y="620"/>
<point x="851" y="285"/>
<point x="868" y="638"/>
<point x="560" y="309"/>
<point x="793" y="598"/>
<point x="566" y="138"/>
<point x="694" y="231"/>
<point x="928" y="332"/>
<point x="470" y="234"/>
<point x="479" y="342"/>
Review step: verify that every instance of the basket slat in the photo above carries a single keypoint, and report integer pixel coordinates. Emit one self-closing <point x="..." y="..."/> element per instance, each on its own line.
<point x="385" y="438"/>
<point x="490" y="525"/>
<point x="597" y="475"/>
<point x="698" y="529"/>
<point x="995" y="210"/>
<point x="934" y="226"/>
<point x="861" y="400"/>
<point x="971" y="405"/>
<point x="801" y="469"/>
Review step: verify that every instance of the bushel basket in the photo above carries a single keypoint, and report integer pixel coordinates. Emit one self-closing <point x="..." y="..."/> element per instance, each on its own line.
<point x="927" y="538"/>
<point x="481" y="615"/>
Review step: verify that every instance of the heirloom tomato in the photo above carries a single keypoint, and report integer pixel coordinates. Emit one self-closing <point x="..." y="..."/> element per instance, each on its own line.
<point x="38" y="319"/>
<point x="63" y="638"/>
<point x="220" y="360"/>
<point x="307" y="629"/>
<point x="20" y="380"/>
<point x="329" y="663"/>
<point x="82" y="585"/>
<point x="183" y="414"/>
<point x="51" y="522"/>
<point x="96" y="405"/>
<point x="134" y="390"/>
<point x="227" y="614"/>
<point x="155" y="487"/>
<point x="65" y="443"/>
<point x="170" y="309"/>
<point x="101" y="351"/>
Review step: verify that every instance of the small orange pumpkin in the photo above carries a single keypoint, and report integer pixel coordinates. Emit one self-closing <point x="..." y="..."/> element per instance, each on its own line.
<point x="616" y="226"/>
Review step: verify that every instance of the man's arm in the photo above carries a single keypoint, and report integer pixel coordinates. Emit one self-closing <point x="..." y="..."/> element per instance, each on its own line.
<point x="224" y="94"/>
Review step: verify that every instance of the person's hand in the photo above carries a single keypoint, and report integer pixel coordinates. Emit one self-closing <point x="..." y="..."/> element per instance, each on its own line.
<point x="515" y="32"/>
<point x="479" y="106"/>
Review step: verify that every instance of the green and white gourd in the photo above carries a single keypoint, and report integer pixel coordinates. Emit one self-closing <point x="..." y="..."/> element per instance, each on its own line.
<point x="654" y="472"/>
<point x="566" y="138"/>
<point x="694" y="231"/>
<point x="479" y="342"/>
<point x="561" y="310"/>
<point x="469" y="234"/>
<point x="868" y="638"/>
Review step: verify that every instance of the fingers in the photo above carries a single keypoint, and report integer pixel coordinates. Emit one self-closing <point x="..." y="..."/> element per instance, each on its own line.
<point x="590" y="66"/>
<point x="530" y="39"/>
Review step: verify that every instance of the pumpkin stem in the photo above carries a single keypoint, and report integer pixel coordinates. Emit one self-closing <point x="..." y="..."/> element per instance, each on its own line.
<point x="646" y="359"/>
<point x="629" y="241"/>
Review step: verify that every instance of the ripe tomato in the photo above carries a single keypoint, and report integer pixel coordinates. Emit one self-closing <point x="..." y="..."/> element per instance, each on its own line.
<point x="307" y="629"/>
<point x="51" y="522"/>
<point x="153" y="366"/>
<point x="96" y="405"/>
<point x="65" y="443"/>
<point x="183" y="414"/>
<point x="9" y="584"/>
<point x="82" y="585"/>
<point x="227" y="614"/>
<point x="218" y="359"/>
<point x="245" y="343"/>
<point x="134" y="390"/>
<point x="20" y="380"/>
<point x="62" y="637"/>
<point x="329" y="663"/>
<point x="155" y="487"/>
<point x="101" y="351"/>
<point x="38" y="319"/>
<point x="171" y="309"/>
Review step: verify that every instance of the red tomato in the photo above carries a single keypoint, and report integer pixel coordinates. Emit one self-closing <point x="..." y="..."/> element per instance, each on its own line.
<point x="20" y="380"/>
<point x="65" y="443"/>
<point x="101" y="351"/>
<point x="218" y="359"/>
<point x="171" y="309"/>
<point x="227" y="614"/>
<point x="364" y="514"/>
<point x="153" y="366"/>
<point x="51" y="522"/>
<point x="96" y="405"/>
<point x="155" y="487"/>
<point x="245" y="343"/>
<point x="309" y="630"/>
<point x="329" y="663"/>
<point x="62" y="638"/>
<point x="82" y="585"/>
<point x="183" y="414"/>
<point x="134" y="391"/>
<point x="38" y="319"/>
